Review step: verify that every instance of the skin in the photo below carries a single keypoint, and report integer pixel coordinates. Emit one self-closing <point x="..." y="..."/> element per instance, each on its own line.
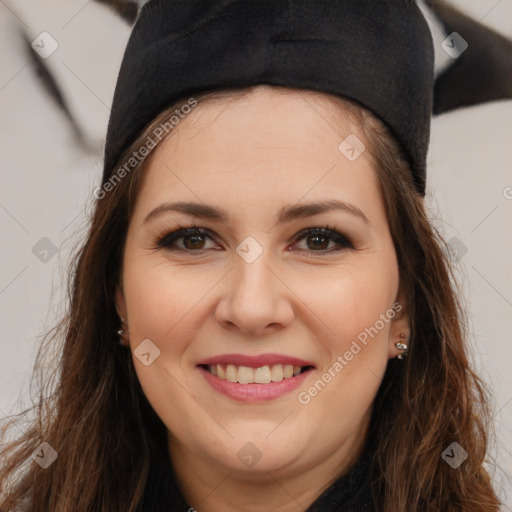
<point x="251" y="156"/>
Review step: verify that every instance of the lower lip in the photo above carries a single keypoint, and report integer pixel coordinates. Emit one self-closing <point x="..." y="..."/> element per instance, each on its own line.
<point x="254" y="392"/>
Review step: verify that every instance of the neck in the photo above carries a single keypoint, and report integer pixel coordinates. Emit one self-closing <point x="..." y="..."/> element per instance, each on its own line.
<point x="210" y="487"/>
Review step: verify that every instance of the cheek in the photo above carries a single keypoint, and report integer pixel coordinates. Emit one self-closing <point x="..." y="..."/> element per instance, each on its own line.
<point x="355" y="308"/>
<point x="351" y="299"/>
<point x="355" y="357"/>
<point x="163" y="300"/>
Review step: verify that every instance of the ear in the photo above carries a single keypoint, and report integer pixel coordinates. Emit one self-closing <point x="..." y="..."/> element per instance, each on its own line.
<point x="121" y="309"/>
<point x="400" y="330"/>
<point x="120" y="302"/>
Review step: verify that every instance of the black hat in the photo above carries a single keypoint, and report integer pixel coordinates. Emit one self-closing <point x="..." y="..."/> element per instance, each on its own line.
<point x="378" y="53"/>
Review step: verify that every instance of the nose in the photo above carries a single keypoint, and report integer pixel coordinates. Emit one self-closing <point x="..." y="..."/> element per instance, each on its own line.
<point x="256" y="300"/>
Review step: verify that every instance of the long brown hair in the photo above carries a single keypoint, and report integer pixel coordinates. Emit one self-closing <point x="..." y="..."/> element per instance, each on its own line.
<point x="92" y="411"/>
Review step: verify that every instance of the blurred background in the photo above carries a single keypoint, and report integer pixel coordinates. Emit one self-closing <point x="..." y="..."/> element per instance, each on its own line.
<point x="60" y="60"/>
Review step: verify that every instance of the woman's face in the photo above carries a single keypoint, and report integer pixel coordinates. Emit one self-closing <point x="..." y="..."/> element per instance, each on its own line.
<point x="252" y="294"/>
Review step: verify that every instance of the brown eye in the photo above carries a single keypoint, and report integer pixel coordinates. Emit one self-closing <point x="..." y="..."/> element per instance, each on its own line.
<point x="194" y="239"/>
<point x="318" y="240"/>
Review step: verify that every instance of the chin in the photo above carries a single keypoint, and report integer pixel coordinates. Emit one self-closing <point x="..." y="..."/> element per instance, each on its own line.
<point x="256" y="454"/>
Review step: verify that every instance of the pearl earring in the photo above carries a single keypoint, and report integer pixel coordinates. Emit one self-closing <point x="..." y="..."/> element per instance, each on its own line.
<point x="122" y="332"/>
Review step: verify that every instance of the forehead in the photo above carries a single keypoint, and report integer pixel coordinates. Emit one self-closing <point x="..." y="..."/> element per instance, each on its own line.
<point x="268" y="114"/>
<point x="259" y="148"/>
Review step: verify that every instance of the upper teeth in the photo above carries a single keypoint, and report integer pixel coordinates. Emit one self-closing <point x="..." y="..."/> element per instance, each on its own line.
<point x="248" y="375"/>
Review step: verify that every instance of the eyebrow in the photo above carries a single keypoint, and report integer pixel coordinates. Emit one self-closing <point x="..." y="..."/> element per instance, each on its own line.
<point x="286" y="214"/>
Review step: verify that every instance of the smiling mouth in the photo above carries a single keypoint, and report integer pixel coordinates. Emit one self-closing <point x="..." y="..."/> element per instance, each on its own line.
<point x="262" y="375"/>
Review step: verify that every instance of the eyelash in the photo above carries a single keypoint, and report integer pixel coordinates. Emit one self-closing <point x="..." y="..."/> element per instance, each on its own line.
<point x="166" y="241"/>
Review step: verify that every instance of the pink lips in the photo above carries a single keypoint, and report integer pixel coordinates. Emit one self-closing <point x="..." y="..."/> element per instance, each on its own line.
<point x="254" y="392"/>
<point x="255" y="361"/>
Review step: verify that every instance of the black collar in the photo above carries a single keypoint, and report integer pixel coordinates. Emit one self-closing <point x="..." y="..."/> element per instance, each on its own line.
<point x="352" y="491"/>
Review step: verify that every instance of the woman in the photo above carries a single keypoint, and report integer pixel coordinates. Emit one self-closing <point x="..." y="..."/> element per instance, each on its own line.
<point x="260" y="245"/>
